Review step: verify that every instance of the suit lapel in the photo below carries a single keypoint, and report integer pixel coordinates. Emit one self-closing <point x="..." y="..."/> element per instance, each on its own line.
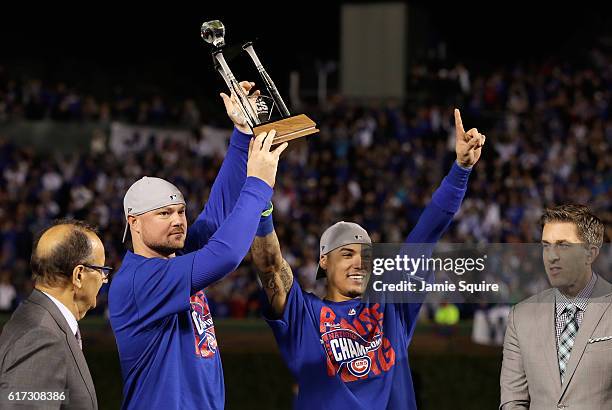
<point x="42" y="300"/>
<point x="546" y="318"/>
<point x="592" y="316"/>
<point x="79" y="358"/>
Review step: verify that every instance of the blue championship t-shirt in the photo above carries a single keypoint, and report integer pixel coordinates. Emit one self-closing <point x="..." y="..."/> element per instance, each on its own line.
<point x="166" y="333"/>
<point x="347" y="355"/>
<point x="354" y="355"/>
<point x="158" y="311"/>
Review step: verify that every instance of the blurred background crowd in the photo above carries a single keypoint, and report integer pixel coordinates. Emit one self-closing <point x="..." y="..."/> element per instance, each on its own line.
<point x="101" y="97"/>
<point x="549" y="136"/>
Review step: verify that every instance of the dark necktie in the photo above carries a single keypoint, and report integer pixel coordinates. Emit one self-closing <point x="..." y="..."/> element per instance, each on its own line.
<point x="78" y="338"/>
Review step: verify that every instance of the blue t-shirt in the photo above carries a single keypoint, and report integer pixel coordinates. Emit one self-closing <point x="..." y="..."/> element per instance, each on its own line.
<point x="346" y="355"/>
<point x="352" y="354"/>
<point x="158" y="310"/>
<point x="166" y="336"/>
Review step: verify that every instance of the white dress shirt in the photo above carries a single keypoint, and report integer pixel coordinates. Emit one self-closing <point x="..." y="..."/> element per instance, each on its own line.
<point x="72" y="322"/>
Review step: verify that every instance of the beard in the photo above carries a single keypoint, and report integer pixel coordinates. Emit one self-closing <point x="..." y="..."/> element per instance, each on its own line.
<point x="167" y="247"/>
<point x="354" y="294"/>
<point x="355" y="291"/>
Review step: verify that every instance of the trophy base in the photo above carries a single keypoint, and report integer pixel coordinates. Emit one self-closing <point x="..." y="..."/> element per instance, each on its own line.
<point x="288" y="129"/>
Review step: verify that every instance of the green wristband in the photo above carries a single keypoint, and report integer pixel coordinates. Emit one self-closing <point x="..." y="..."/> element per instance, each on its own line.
<point x="268" y="211"/>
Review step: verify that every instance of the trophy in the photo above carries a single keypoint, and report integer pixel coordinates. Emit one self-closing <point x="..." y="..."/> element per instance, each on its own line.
<point x="258" y="113"/>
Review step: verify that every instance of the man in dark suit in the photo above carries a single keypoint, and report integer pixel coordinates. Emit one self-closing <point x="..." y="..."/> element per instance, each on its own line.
<point x="41" y="359"/>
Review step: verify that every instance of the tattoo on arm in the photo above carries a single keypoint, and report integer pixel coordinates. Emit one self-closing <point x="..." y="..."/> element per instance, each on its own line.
<point x="269" y="282"/>
<point x="286" y="276"/>
<point x="274" y="272"/>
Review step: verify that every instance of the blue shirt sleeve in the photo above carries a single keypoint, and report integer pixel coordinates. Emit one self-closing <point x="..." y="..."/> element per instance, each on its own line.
<point x="445" y="202"/>
<point x="163" y="286"/>
<point x="223" y="194"/>
<point x="231" y="242"/>
<point x="432" y="224"/>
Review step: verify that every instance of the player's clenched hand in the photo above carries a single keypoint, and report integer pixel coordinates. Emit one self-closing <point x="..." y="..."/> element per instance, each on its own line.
<point x="468" y="145"/>
<point x="262" y="162"/>
<point x="234" y="111"/>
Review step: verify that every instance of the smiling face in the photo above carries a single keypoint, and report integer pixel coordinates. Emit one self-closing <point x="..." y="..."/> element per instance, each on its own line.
<point x="161" y="231"/>
<point x="567" y="259"/>
<point x="347" y="273"/>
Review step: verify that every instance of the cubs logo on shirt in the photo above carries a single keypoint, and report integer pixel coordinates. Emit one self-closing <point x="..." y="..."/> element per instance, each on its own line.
<point x="356" y="349"/>
<point x="350" y="350"/>
<point x="203" y="327"/>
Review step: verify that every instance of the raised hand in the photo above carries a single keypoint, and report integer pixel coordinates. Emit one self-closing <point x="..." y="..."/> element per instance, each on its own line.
<point x="262" y="162"/>
<point x="468" y="145"/>
<point x="234" y="111"/>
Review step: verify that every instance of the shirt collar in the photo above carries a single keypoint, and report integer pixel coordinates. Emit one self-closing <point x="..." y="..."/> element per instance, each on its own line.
<point x="581" y="300"/>
<point x="72" y="322"/>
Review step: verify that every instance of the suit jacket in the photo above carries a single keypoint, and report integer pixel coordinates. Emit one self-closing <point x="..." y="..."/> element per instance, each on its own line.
<point x="530" y="377"/>
<point x="39" y="352"/>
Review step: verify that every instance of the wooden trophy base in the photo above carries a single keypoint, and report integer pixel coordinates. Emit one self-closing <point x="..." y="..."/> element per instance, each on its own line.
<point x="288" y="129"/>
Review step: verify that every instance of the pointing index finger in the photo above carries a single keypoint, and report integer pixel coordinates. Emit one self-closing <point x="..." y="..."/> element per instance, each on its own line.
<point x="458" y="123"/>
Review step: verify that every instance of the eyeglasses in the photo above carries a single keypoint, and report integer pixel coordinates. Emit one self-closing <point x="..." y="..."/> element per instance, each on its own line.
<point x="105" y="271"/>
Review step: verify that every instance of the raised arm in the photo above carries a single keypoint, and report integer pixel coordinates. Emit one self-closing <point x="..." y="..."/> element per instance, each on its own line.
<point x="230" y="179"/>
<point x="447" y="199"/>
<point x="439" y="213"/>
<point x="237" y="231"/>
<point x="164" y="285"/>
<point x="274" y="272"/>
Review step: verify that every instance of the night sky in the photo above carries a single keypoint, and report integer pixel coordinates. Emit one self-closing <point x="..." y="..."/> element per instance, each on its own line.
<point x="162" y="44"/>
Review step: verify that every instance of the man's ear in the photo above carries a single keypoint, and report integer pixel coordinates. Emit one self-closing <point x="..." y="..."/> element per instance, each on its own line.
<point x="592" y="253"/>
<point x="323" y="261"/>
<point x="134" y="223"/>
<point x="77" y="276"/>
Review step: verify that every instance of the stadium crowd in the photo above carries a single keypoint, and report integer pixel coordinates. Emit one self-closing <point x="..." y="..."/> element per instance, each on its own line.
<point x="549" y="137"/>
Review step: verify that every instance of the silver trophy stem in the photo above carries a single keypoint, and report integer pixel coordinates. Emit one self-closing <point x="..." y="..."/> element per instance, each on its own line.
<point x="233" y="85"/>
<point x="227" y="81"/>
<point x="229" y="86"/>
<point x="248" y="47"/>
